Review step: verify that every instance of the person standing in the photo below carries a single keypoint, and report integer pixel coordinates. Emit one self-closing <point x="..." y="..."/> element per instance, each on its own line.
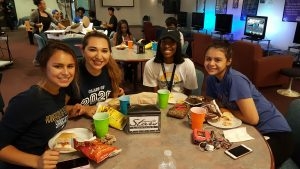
<point x="236" y="92"/>
<point x="40" y="19"/>
<point x="36" y="115"/>
<point x="111" y="26"/>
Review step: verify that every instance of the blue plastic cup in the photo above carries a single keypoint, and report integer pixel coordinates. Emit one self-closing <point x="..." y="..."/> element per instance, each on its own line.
<point x="154" y="46"/>
<point x="124" y="104"/>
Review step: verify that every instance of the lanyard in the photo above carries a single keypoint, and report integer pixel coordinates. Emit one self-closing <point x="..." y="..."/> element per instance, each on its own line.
<point x="169" y="83"/>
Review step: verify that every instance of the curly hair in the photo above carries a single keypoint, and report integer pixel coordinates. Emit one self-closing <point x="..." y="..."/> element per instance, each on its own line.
<point x="114" y="71"/>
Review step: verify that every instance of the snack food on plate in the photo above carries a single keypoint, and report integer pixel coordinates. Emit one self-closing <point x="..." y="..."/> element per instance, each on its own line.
<point x="194" y="100"/>
<point x="96" y="150"/>
<point x="64" y="142"/>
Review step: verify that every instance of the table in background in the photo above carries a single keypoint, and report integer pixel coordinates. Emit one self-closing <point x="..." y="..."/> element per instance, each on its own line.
<point x="146" y="150"/>
<point x="129" y="55"/>
<point x="5" y="50"/>
<point x="258" y="42"/>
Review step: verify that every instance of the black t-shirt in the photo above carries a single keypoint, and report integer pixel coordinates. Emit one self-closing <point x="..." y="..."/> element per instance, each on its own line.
<point x="92" y="88"/>
<point x="31" y="119"/>
<point x="113" y="20"/>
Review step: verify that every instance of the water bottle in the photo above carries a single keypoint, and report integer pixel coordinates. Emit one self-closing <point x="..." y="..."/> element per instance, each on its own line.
<point x="168" y="161"/>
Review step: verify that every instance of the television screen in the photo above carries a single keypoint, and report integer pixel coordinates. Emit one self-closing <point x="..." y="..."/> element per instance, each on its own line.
<point x="198" y="20"/>
<point x="255" y="26"/>
<point x="182" y="19"/>
<point x="223" y="23"/>
<point x="297" y="34"/>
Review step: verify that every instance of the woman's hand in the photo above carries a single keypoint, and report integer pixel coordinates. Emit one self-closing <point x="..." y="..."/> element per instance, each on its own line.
<point x="79" y="109"/>
<point x="121" y="91"/>
<point x="48" y="160"/>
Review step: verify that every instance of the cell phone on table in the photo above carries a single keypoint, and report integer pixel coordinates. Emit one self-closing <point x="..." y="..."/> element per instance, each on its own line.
<point x="77" y="163"/>
<point x="238" y="151"/>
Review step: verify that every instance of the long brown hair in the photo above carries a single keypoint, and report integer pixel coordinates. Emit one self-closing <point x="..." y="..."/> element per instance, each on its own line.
<point x="114" y="71"/>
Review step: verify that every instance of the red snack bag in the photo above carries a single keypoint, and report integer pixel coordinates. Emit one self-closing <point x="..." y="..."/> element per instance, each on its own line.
<point x="94" y="149"/>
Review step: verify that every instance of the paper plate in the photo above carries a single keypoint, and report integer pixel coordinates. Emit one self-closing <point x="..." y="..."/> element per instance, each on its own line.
<point x="220" y="123"/>
<point x="176" y="97"/>
<point x="81" y="133"/>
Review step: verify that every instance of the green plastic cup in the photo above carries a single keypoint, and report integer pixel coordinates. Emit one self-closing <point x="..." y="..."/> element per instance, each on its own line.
<point x="163" y="98"/>
<point x="101" y="123"/>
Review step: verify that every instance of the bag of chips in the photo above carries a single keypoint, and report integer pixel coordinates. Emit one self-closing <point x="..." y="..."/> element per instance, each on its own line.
<point x="96" y="150"/>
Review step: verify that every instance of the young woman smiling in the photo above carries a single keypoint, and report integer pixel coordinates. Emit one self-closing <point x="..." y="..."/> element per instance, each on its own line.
<point x="236" y="92"/>
<point x="100" y="75"/>
<point x="34" y="116"/>
<point x="169" y="69"/>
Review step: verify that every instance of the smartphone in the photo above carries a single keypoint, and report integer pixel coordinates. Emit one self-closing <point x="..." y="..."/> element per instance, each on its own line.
<point x="238" y="151"/>
<point x="77" y="163"/>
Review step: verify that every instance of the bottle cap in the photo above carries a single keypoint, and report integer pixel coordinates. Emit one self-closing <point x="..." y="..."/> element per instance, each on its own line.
<point x="168" y="153"/>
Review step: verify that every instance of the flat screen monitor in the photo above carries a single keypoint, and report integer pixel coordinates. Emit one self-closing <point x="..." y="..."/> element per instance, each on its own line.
<point x="223" y="23"/>
<point x="171" y="6"/>
<point x="182" y="19"/>
<point x="198" y="20"/>
<point x="297" y="34"/>
<point x="255" y="26"/>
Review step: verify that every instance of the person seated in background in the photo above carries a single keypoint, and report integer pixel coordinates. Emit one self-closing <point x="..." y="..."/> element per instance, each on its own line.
<point x="93" y="19"/>
<point x="122" y="36"/>
<point x="40" y="19"/>
<point x="79" y="14"/>
<point x="169" y="69"/>
<point x="55" y="15"/>
<point x="99" y="74"/>
<point x="111" y="26"/>
<point x="237" y="93"/>
<point x="171" y="24"/>
<point x="36" y="115"/>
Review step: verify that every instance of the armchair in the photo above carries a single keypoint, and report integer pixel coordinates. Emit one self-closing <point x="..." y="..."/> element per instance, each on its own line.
<point x="262" y="71"/>
<point x="199" y="45"/>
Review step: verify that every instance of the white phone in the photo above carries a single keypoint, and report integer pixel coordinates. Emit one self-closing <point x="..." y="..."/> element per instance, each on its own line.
<point x="238" y="151"/>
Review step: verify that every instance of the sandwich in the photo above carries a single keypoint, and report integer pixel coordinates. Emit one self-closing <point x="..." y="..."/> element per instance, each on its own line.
<point x="64" y="142"/>
<point x="226" y="117"/>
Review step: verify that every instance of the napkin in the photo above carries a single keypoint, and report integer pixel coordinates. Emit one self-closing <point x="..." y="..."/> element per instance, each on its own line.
<point x="237" y="134"/>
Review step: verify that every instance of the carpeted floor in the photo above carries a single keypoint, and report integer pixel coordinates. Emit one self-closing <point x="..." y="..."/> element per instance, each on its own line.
<point x="22" y="73"/>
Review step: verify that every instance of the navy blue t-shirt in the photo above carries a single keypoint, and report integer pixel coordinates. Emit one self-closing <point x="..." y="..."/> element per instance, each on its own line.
<point x="235" y="86"/>
<point x="93" y="89"/>
<point x="31" y="119"/>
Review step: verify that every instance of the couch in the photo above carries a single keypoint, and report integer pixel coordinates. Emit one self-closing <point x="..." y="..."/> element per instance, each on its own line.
<point x="263" y="71"/>
<point x="199" y="44"/>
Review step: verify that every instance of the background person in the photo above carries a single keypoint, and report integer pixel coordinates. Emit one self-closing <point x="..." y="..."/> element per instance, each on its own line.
<point x="100" y="75"/>
<point x="79" y="14"/>
<point x="123" y="35"/>
<point x="169" y="69"/>
<point x="171" y="23"/>
<point x="40" y="19"/>
<point x="236" y="92"/>
<point x="111" y="26"/>
<point x="34" y="116"/>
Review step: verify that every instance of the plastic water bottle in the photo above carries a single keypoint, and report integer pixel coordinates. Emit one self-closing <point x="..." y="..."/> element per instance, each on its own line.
<point x="168" y="161"/>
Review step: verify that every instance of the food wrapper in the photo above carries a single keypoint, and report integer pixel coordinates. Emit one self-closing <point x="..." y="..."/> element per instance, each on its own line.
<point x="143" y="98"/>
<point x="96" y="150"/>
<point x="179" y="110"/>
<point x="116" y="119"/>
<point x="213" y="110"/>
